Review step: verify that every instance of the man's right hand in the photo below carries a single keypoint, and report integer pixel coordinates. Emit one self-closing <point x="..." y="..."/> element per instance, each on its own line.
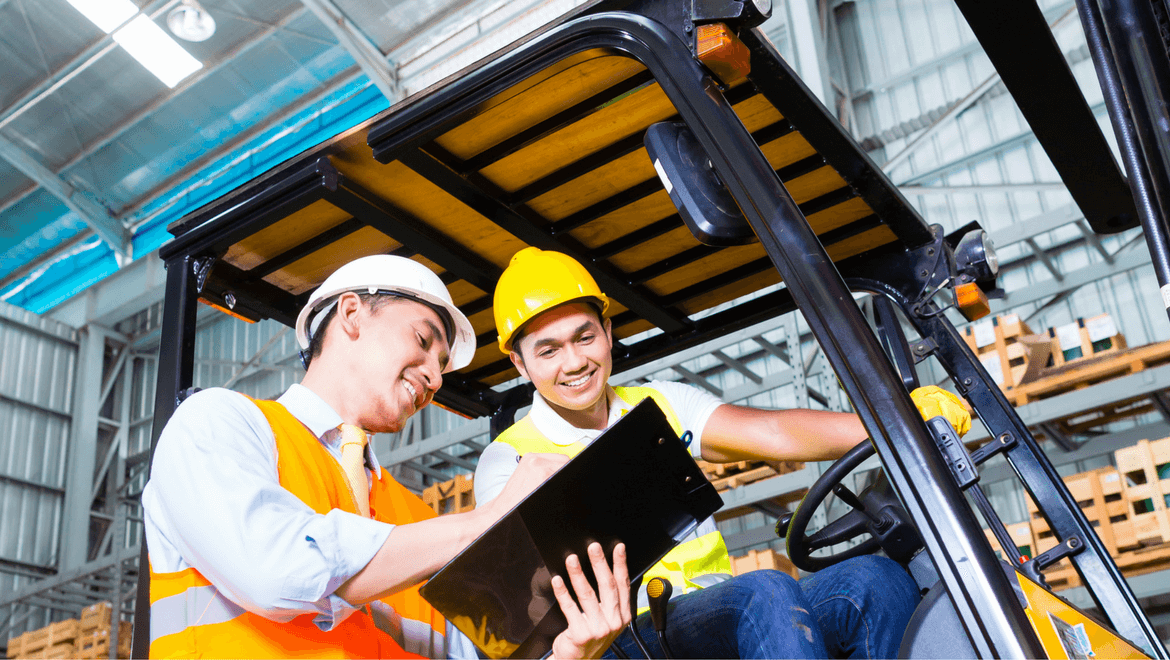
<point x="533" y="470"/>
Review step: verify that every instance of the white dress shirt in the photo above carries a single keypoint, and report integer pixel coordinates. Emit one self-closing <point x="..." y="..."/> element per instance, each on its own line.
<point x="214" y="502"/>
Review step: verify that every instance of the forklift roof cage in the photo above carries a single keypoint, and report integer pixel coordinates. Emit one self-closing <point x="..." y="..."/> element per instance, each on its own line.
<point x="543" y="144"/>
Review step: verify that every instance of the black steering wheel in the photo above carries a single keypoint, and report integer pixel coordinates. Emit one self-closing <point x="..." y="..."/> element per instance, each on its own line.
<point x="877" y="511"/>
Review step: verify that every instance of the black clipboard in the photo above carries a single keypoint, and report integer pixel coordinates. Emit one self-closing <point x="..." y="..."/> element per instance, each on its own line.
<point x="636" y="484"/>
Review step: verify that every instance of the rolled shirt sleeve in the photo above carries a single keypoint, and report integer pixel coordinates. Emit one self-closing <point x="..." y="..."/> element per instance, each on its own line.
<point x="214" y="502"/>
<point x="496" y="465"/>
<point x="693" y="406"/>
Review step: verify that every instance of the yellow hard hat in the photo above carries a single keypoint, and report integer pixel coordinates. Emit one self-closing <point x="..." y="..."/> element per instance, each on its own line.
<point x="535" y="281"/>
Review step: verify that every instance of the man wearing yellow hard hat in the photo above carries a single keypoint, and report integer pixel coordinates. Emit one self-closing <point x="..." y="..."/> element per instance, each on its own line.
<point x="551" y="319"/>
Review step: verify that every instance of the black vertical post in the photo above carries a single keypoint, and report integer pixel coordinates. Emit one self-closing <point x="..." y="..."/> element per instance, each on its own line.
<point x="505" y="415"/>
<point x="968" y="568"/>
<point x="895" y="341"/>
<point x="1134" y="73"/>
<point x="176" y="366"/>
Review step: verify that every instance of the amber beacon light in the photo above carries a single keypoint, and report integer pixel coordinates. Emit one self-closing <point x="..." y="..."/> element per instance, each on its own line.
<point x="723" y="53"/>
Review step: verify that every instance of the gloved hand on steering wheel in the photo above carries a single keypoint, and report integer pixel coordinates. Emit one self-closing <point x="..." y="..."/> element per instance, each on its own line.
<point x="933" y="401"/>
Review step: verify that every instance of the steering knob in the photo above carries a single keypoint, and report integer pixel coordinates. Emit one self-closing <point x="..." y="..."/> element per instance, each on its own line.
<point x="782" y="524"/>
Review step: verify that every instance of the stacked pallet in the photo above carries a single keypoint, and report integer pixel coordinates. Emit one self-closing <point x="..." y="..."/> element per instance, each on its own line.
<point x="756" y="560"/>
<point x="93" y="641"/>
<point x="725" y="476"/>
<point x="453" y="496"/>
<point x="1083" y="339"/>
<point x="1086" y="372"/>
<point x="1008" y="349"/>
<point x="1146" y="470"/>
<point x="1128" y="507"/>
<point x="87" y="637"/>
<point x="1099" y="494"/>
<point x="54" y="641"/>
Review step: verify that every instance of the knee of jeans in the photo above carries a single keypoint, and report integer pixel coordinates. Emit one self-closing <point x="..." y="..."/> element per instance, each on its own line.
<point x="885" y="575"/>
<point x="772" y="584"/>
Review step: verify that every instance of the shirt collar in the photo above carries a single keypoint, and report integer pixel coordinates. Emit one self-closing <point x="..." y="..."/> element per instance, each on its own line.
<point x="320" y="418"/>
<point x="560" y="432"/>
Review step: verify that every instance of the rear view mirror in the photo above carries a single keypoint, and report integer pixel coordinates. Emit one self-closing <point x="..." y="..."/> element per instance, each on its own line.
<point x="700" y="197"/>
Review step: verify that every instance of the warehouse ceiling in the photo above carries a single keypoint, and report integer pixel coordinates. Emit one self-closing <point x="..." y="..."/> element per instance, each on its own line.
<point x="98" y="154"/>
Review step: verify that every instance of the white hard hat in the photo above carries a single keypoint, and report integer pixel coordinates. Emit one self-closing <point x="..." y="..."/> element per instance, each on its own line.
<point x="398" y="275"/>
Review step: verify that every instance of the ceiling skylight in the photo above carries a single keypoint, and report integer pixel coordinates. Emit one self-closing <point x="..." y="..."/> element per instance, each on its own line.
<point x="157" y="51"/>
<point x="108" y="15"/>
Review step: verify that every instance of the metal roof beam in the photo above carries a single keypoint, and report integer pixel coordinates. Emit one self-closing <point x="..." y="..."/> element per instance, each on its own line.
<point x="80" y="62"/>
<point x="80" y="201"/>
<point x="369" y="57"/>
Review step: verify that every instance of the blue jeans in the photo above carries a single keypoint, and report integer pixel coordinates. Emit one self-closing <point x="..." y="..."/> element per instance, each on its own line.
<point x="857" y="609"/>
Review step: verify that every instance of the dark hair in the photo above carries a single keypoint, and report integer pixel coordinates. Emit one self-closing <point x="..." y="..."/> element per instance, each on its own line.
<point x="519" y="334"/>
<point x="375" y="301"/>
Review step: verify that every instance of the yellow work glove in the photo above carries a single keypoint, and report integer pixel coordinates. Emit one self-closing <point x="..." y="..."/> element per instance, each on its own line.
<point x="933" y="401"/>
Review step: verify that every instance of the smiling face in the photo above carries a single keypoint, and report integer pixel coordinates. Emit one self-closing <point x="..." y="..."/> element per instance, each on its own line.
<point x="566" y="353"/>
<point x="386" y="360"/>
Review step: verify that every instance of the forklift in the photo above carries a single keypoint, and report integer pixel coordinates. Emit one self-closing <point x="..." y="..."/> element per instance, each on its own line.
<point x="667" y="145"/>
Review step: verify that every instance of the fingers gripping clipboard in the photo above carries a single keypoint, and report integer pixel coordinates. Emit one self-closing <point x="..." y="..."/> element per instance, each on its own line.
<point x="636" y="484"/>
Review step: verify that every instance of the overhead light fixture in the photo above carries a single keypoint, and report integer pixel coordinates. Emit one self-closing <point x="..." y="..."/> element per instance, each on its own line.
<point x="191" y="22"/>
<point x="108" y="15"/>
<point x="157" y="51"/>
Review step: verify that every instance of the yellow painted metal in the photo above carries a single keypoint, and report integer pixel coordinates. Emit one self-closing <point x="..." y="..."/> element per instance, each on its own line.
<point x="1049" y="613"/>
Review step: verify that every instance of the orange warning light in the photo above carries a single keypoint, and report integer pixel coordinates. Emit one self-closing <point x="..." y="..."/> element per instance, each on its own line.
<point x="225" y="310"/>
<point x="723" y="53"/>
<point x="971" y="301"/>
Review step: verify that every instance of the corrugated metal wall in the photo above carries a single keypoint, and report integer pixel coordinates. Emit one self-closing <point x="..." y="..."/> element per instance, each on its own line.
<point x="37" y="363"/>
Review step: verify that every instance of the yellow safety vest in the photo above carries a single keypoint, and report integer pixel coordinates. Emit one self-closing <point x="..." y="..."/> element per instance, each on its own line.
<point x="686" y="563"/>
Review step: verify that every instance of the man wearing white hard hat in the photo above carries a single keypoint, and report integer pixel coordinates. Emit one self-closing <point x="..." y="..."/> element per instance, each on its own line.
<point x="273" y="531"/>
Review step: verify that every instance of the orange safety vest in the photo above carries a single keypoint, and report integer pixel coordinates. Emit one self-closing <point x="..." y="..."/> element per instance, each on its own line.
<point x="189" y="617"/>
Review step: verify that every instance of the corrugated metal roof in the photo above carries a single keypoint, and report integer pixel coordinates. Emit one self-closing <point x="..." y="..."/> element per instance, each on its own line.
<point x="274" y="81"/>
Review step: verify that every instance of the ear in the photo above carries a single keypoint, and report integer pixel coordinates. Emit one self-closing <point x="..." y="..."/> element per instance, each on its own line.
<point x="518" y="361"/>
<point x="349" y="313"/>
<point x="608" y="325"/>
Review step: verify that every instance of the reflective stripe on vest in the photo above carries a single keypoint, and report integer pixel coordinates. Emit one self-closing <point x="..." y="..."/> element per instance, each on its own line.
<point x="190" y="617"/>
<point x="171" y="615"/>
<point x="696" y="564"/>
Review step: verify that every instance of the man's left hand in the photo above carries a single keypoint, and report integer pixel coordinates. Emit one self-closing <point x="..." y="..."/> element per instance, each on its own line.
<point x="933" y="401"/>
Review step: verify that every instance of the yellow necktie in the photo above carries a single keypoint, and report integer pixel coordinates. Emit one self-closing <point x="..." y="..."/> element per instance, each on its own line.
<point x="353" y="462"/>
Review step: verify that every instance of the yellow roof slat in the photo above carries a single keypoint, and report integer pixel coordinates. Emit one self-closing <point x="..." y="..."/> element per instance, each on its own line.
<point x="285" y="234"/>
<point x="309" y="271"/>
<point x="592" y="133"/>
<point x="532" y="101"/>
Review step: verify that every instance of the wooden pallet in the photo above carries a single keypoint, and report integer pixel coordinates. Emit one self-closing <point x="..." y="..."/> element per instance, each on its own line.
<point x="725" y="476"/>
<point x="756" y="560"/>
<point x="1085" y="338"/>
<point x="1091" y="371"/>
<point x="454" y="496"/>
<point x="34" y="641"/>
<point x="1008" y="349"/>
<point x="96" y="616"/>
<point x="96" y="643"/>
<point x="1145" y="467"/>
<point x="55" y="652"/>
<point x="1131" y="563"/>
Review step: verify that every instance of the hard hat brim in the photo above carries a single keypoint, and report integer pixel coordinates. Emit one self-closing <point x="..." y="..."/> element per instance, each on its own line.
<point x="602" y="307"/>
<point x="461" y="345"/>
